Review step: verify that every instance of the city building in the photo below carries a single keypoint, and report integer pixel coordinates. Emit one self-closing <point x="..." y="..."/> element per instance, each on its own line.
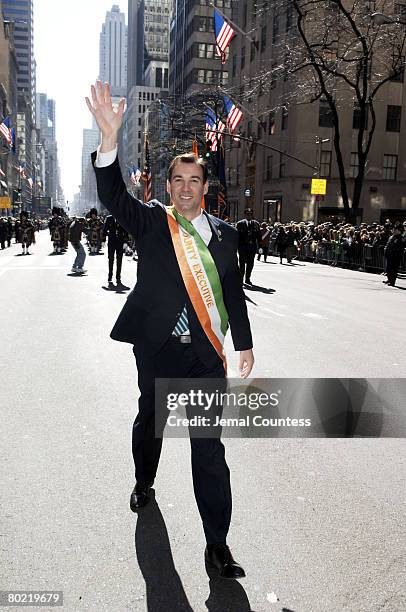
<point x="113" y="52"/>
<point x="21" y="15"/>
<point x="88" y="189"/>
<point x="46" y="124"/>
<point x="292" y="141"/>
<point x="8" y="108"/>
<point x="148" y="41"/>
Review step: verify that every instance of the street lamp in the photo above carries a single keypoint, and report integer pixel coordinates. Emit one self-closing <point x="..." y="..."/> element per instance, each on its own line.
<point x="380" y="19"/>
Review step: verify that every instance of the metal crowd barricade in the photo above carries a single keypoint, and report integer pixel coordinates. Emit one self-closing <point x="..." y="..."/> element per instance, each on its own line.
<point x="363" y="257"/>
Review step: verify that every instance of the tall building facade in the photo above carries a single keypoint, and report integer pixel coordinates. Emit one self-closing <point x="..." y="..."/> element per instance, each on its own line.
<point x="148" y="72"/>
<point x="148" y="40"/>
<point x="113" y="52"/>
<point x="46" y="124"/>
<point x="292" y="142"/>
<point x="193" y="61"/>
<point x="21" y="14"/>
<point x="88" y="189"/>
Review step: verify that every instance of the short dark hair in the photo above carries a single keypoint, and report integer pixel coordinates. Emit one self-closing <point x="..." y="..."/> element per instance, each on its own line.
<point x="188" y="158"/>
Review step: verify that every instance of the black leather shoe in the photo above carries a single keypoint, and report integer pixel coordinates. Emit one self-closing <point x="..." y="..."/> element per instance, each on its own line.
<point x="248" y="281"/>
<point x="220" y="557"/>
<point x="140" y="496"/>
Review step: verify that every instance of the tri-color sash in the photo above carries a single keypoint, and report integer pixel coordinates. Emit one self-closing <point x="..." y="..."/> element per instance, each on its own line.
<point x="201" y="279"/>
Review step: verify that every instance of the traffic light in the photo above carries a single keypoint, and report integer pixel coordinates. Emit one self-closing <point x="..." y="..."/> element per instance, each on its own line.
<point x="207" y="150"/>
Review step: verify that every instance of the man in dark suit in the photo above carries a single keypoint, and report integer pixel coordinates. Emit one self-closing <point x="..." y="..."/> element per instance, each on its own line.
<point x="161" y="320"/>
<point x="249" y="237"/>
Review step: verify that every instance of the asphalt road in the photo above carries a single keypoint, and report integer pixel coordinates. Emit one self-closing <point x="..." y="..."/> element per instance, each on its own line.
<point x="319" y="524"/>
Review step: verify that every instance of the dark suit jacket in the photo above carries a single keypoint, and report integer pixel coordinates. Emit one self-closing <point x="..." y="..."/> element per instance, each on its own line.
<point x="153" y="307"/>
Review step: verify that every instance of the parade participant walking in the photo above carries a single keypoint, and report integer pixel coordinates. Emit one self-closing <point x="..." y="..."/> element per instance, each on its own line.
<point x="249" y="236"/>
<point x="167" y="318"/>
<point x="56" y="228"/>
<point x="393" y="254"/>
<point x="26" y="232"/>
<point x="118" y="239"/>
<point x="76" y="229"/>
<point x="94" y="233"/>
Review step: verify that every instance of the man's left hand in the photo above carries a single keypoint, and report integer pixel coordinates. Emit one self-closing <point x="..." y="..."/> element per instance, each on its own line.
<point x="246" y="363"/>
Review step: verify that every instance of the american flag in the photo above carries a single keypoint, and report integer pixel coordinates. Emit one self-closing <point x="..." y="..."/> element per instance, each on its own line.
<point x="212" y="128"/>
<point x="135" y="175"/>
<point x="6" y="130"/>
<point x="21" y="170"/>
<point x="234" y="114"/>
<point x="146" y="175"/>
<point x="224" y="33"/>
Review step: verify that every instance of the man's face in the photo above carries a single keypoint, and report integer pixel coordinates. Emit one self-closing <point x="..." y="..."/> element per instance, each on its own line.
<point x="186" y="188"/>
<point x="248" y="215"/>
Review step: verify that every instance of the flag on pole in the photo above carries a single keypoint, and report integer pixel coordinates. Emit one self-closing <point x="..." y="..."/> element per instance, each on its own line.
<point x="222" y="208"/>
<point x="234" y="114"/>
<point x="196" y="152"/>
<point x="135" y="175"/>
<point x="146" y="175"/>
<point x="224" y="33"/>
<point x="212" y="129"/>
<point x="21" y="170"/>
<point x="6" y="130"/>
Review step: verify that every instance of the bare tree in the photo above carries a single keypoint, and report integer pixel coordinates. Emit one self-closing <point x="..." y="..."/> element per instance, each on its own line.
<point x="333" y="52"/>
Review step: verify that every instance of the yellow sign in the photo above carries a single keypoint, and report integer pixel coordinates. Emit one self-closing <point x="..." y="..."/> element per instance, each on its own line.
<point x="319" y="186"/>
<point x="5" y="202"/>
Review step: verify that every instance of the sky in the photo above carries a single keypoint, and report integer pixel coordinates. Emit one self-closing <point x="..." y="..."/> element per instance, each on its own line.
<point x="66" y="49"/>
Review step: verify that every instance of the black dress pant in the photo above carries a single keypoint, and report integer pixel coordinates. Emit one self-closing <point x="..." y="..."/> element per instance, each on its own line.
<point x="115" y="248"/>
<point x="392" y="269"/>
<point x="246" y="263"/>
<point x="211" y="476"/>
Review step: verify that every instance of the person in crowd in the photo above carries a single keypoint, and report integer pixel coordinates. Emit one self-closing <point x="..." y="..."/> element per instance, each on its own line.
<point x="10" y="230"/>
<point x="264" y="241"/>
<point x="281" y="242"/>
<point x="3" y="232"/>
<point x="118" y="240"/>
<point x="394" y="251"/>
<point x="56" y="228"/>
<point x="76" y="228"/>
<point x="26" y="232"/>
<point x="94" y="234"/>
<point x="249" y="236"/>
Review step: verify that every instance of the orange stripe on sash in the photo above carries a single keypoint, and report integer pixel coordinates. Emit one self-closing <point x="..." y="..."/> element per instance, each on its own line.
<point x="193" y="291"/>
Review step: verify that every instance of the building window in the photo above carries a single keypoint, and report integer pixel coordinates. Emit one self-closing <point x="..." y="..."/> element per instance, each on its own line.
<point x="244" y="16"/>
<point x="325" y="164"/>
<point x="271" y="124"/>
<point x="249" y="129"/>
<point x="268" y="174"/>
<point x="242" y="57"/>
<point x="356" y="119"/>
<point x="393" y="118"/>
<point x="263" y="38"/>
<point x="234" y="68"/>
<point x="354" y="165"/>
<point x="282" y="166"/>
<point x="390" y="167"/>
<point x="325" y="114"/>
<point x="285" y="116"/>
